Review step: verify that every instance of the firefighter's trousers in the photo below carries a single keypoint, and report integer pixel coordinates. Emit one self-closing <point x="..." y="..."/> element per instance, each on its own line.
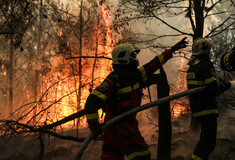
<point x="207" y="141"/>
<point x="122" y="139"/>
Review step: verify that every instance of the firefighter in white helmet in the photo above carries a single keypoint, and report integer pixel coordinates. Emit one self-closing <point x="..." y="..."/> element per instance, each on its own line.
<point x="203" y="104"/>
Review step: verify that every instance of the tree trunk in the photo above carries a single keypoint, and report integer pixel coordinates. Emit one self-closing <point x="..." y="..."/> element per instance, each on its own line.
<point x="11" y="75"/>
<point x="199" y="6"/>
<point x="80" y="63"/>
<point x="164" y="140"/>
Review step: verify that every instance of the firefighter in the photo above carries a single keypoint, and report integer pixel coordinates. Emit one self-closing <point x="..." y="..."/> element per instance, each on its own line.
<point x="228" y="61"/>
<point x="121" y="91"/>
<point x="203" y="104"/>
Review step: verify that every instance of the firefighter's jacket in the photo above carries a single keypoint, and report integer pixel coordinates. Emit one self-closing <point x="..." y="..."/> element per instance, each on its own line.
<point x="228" y="61"/>
<point x="118" y="94"/>
<point x="203" y="103"/>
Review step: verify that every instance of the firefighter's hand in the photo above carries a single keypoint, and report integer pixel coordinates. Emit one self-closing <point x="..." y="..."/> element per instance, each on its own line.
<point x="226" y="84"/>
<point x="223" y="86"/>
<point x="180" y="44"/>
<point x="98" y="131"/>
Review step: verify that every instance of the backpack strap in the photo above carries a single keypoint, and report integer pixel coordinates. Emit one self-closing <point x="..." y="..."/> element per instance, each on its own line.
<point x="113" y="101"/>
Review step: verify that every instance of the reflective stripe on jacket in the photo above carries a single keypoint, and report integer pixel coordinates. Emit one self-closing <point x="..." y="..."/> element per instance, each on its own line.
<point x="138" y="154"/>
<point x="194" y="157"/>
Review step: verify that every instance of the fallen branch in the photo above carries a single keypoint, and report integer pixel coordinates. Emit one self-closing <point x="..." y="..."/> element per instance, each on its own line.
<point x="132" y="112"/>
<point x="66" y="119"/>
<point x="43" y="130"/>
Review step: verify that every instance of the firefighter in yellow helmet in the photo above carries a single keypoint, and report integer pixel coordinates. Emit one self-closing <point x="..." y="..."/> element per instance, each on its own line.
<point x="203" y="104"/>
<point x="228" y="61"/>
<point x="121" y="91"/>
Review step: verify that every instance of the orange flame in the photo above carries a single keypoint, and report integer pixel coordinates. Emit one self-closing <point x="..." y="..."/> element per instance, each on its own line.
<point x="3" y="73"/>
<point x="59" y="89"/>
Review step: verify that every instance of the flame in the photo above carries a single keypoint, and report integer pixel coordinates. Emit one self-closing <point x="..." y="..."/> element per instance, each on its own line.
<point x="59" y="91"/>
<point x="4" y="72"/>
<point x="61" y="33"/>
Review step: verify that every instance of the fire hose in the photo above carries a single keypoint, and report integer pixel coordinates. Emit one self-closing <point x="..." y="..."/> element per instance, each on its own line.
<point x="134" y="111"/>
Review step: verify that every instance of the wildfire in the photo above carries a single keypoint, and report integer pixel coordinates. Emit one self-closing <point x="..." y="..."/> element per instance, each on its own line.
<point x="59" y="91"/>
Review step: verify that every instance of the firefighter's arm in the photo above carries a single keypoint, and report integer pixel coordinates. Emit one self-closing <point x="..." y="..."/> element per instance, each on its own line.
<point x="223" y="86"/>
<point x="92" y="105"/>
<point x="179" y="45"/>
<point x="97" y="99"/>
<point x="210" y="79"/>
<point x="148" y="69"/>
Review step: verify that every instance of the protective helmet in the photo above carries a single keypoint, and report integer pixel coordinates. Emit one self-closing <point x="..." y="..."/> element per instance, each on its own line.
<point x="122" y="54"/>
<point x="201" y="46"/>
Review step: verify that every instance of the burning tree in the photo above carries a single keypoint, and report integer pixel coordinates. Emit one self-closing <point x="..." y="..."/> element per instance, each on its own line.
<point x="63" y="76"/>
<point x="81" y="39"/>
<point x="61" y="85"/>
<point x="25" y="36"/>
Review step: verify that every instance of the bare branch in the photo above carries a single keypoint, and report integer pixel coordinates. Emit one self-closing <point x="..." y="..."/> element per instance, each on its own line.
<point x="211" y="7"/>
<point x="66" y="119"/>
<point x="219" y="26"/>
<point x="167" y="24"/>
<point x="6" y="33"/>
<point x="84" y="57"/>
<point x="190" y="16"/>
<point x="40" y="130"/>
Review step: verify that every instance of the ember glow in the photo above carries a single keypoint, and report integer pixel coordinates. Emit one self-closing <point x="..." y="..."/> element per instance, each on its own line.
<point x="3" y="72"/>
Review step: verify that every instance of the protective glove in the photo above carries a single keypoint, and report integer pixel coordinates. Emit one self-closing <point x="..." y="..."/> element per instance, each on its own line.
<point x="226" y="84"/>
<point x="223" y="86"/>
<point x="98" y="131"/>
<point x="179" y="45"/>
<point x="93" y="124"/>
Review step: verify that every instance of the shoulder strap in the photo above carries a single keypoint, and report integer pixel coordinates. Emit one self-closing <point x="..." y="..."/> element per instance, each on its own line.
<point x="116" y="83"/>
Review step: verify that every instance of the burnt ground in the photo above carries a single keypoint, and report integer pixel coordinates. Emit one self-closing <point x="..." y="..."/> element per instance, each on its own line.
<point x="183" y="143"/>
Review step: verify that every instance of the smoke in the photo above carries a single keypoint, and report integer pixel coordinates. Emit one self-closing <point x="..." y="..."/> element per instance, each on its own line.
<point x="232" y="83"/>
<point x="57" y="63"/>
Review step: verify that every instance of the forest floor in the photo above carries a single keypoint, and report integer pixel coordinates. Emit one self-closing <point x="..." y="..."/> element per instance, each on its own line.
<point x="183" y="143"/>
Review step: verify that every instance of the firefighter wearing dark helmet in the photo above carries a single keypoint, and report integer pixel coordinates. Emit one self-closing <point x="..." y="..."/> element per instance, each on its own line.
<point x="228" y="61"/>
<point x="121" y="91"/>
<point x="203" y="104"/>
